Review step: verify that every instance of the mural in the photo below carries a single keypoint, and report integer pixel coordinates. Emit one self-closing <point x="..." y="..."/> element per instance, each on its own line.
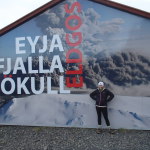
<point x="50" y="64"/>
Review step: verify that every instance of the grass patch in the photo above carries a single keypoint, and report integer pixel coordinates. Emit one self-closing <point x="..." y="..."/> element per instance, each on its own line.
<point x="37" y="129"/>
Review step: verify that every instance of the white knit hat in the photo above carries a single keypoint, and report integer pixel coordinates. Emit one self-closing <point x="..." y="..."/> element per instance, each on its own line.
<point x="101" y="84"/>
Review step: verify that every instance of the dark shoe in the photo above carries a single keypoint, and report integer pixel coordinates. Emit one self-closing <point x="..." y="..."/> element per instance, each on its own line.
<point x="112" y="131"/>
<point x="98" y="131"/>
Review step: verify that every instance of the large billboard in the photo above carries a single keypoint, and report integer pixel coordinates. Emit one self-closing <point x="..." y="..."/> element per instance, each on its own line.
<point x="50" y="64"/>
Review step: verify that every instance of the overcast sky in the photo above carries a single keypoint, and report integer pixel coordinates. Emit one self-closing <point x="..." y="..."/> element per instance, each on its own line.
<point x="11" y="10"/>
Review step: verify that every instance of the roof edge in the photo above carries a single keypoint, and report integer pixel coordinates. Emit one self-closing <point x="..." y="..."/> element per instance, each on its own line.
<point x="123" y="7"/>
<point x="29" y="16"/>
<point x="52" y="3"/>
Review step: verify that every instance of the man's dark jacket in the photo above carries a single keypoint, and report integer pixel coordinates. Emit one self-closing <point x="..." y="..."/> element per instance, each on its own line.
<point x="102" y="97"/>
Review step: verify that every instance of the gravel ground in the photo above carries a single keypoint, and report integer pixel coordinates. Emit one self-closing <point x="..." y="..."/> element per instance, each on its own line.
<point x="52" y="138"/>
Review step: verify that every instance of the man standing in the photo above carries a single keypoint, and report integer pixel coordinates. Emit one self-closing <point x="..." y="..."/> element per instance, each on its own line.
<point x="102" y="95"/>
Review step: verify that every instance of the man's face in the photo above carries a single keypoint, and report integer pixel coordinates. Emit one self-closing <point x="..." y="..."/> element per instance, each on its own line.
<point x="100" y="86"/>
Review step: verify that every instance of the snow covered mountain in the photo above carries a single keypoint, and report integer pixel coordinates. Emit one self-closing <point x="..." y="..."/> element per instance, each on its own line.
<point x="75" y="111"/>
